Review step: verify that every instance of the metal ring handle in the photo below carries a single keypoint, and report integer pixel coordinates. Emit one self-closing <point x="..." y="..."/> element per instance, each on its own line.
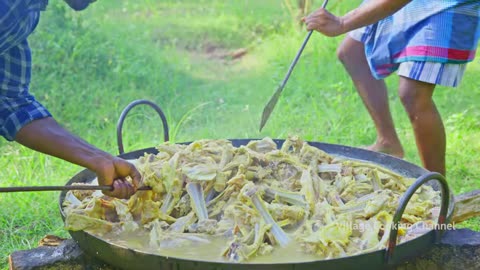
<point x="442" y="218"/>
<point x="124" y="113"/>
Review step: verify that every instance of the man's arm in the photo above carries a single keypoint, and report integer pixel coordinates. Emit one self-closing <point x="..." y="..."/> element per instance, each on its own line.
<point x="46" y="136"/>
<point x="368" y="13"/>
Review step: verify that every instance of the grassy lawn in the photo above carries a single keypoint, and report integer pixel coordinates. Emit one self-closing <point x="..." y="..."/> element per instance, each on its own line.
<point x="88" y="66"/>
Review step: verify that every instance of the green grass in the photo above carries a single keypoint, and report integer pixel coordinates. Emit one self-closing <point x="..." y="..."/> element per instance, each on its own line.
<point x="90" y="65"/>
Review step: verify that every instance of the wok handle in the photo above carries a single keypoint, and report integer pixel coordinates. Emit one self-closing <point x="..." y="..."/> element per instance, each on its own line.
<point x="442" y="218"/>
<point x="124" y="113"/>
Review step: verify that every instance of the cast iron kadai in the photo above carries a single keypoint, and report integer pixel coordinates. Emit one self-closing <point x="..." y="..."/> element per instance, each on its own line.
<point x="125" y="258"/>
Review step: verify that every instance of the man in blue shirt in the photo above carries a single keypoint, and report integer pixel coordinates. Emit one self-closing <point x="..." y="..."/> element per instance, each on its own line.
<point x="427" y="42"/>
<point x="26" y="121"/>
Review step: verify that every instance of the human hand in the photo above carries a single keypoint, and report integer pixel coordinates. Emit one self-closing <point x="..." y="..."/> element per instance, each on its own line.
<point x="324" y="22"/>
<point x="47" y="136"/>
<point x="113" y="172"/>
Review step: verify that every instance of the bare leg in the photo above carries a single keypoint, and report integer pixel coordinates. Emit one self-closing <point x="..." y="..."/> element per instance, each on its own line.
<point x="374" y="95"/>
<point x="427" y="124"/>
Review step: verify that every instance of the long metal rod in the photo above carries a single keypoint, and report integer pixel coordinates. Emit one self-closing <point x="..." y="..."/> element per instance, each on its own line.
<point x="295" y="60"/>
<point x="61" y="188"/>
<point x="267" y="111"/>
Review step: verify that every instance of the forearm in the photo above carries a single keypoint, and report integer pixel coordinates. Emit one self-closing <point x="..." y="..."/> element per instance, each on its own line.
<point x="371" y="12"/>
<point x="46" y="136"/>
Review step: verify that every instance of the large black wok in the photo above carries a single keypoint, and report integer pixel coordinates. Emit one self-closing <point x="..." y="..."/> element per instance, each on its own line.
<point x="125" y="258"/>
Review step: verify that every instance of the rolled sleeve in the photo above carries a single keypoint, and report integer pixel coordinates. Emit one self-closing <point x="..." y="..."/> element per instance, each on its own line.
<point x="17" y="106"/>
<point x="20" y="116"/>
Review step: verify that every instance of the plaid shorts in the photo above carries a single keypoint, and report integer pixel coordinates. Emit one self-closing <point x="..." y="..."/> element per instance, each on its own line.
<point x="445" y="74"/>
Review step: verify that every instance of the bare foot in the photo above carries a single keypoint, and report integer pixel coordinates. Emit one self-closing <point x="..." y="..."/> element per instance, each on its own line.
<point x="393" y="150"/>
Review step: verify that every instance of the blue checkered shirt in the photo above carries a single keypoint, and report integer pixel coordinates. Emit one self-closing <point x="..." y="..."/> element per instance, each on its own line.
<point x="18" y="19"/>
